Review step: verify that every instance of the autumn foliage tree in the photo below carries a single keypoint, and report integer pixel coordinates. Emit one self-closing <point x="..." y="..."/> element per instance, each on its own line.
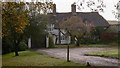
<point x="76" y="27"/>
<point x="14" y="22"/>
<point x="22" y="20"/>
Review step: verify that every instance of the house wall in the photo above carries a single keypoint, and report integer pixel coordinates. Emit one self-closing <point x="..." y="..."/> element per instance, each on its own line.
<point x="55" y="35"/>
<point x="64" y="39"/>
<point x="50" y="27"/>
<point x="54" y="39"/>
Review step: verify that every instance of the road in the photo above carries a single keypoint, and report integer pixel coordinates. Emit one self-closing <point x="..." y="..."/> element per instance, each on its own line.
<point x="77" y="55"/>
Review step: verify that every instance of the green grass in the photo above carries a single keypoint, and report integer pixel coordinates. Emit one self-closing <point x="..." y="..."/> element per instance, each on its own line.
<point x="101" y="45"/>
<point x="0" y="60"/>
<point x="64" y="46"/>
<point x="111" y="53"/>
<point x="31" y="58"/>
<point x="84" y="45"/>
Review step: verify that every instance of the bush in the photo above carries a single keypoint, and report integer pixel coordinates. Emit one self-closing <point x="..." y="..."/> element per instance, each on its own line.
<point x="51" y="44"/>
<point x="22" y="46"/>
<point x="109" y="37"/>
<point x="38" y="41"/>
<point x="7" y="46"/>
<point x="113" y="44"/>
<point x="89" y="41"/>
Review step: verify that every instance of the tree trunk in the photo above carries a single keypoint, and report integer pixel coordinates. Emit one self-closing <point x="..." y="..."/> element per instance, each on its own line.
<point x="77" y="43"/>
<point x="16" y="50"/>
<point x="16" y="53"/>
<point x="16" y="43"/>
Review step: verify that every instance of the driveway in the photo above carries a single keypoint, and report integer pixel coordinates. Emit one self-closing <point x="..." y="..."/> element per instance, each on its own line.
<point x="77" y="55"/>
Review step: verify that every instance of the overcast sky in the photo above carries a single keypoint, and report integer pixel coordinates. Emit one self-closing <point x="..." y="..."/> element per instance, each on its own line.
<point x="65" y="6"/>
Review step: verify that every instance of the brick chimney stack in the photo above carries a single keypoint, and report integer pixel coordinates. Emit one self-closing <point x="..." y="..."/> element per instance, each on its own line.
<point x="54" y="9"/>
<point x="73" y="8"/>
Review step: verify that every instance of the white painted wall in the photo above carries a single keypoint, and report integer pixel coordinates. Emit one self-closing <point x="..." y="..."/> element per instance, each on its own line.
<point x="56" y="32"/>
<point x="29" y="43"/>
<point x="47" y="41"/>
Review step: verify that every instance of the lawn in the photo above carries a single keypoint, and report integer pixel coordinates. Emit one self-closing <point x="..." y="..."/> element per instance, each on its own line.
<point x="110" y="53"/>
<point x="0" y="60"/>
<point x="86" y="45"/>
<point x="31" y="58"/>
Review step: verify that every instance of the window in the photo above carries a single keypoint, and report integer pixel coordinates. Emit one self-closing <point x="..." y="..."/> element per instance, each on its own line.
<point x="63" y="37"/>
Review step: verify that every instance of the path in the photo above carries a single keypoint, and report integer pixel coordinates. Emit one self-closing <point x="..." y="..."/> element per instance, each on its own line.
<point x="77" y="55"/>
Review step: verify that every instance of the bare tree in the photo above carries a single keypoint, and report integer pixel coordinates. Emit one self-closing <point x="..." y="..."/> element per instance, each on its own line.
<point x="76" y="27"/>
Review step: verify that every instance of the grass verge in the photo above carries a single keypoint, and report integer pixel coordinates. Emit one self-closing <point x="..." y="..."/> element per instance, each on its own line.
<point x="31" y="58"/>
<point x="0" y="60"/>
<point x="108" y="54"/>
<point x="85" y="45"/>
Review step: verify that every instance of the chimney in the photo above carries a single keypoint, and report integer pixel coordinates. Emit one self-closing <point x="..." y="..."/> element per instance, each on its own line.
<point x="54" y="9"/>
<point x="73" y="9"/>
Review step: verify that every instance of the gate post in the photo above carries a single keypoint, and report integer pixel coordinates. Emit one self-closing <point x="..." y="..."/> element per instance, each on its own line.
<point x="29" y="42"/>
<point x="47" y="41"/>
<point x="68" y="53"/>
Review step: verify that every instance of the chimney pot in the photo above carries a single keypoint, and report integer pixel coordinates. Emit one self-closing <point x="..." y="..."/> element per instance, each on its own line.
<point x="73" y="8"/>
<point x="54" y="9"/>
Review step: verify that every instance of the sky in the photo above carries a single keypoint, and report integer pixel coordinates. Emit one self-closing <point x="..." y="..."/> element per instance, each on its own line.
<point x="65" y="6"/>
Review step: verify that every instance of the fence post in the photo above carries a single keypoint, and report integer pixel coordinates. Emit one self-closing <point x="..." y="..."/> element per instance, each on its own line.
<point x="47" y="41"/>
<point x="29" y="42"/>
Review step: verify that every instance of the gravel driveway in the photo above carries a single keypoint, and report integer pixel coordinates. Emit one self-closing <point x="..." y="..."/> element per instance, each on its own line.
<point x="77" y="55"/>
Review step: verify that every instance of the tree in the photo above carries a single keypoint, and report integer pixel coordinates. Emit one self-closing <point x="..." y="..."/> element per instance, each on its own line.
<point x="93" y="5"/>
<point x="96" y="32"/>
<point x="14" y="22"/>
<point x="76" y="27"/>
<point x="20" y="19"/>
<point x="38" y="22"/>
<point x="117" y="13"/>
<point x="98" y="6"/>
<point x="39" y="7"/>
<point x="36" y="30"/>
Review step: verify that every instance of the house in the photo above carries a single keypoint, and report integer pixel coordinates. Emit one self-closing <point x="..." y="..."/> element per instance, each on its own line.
<point x="60" y="36"/>
<point x="112" y="32"/>
<point x="114" y="25"/>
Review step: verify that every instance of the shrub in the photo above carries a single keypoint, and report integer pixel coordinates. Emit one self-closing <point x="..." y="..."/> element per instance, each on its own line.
<point x="7" y="46"/>
<point x="89" y="41"/>
<point x="51" y="44"/>
<point x="38" y="41"/>
<point x="22" y="46"/>
<point x="113" y="44"/>
<point x="109" y="37"/>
